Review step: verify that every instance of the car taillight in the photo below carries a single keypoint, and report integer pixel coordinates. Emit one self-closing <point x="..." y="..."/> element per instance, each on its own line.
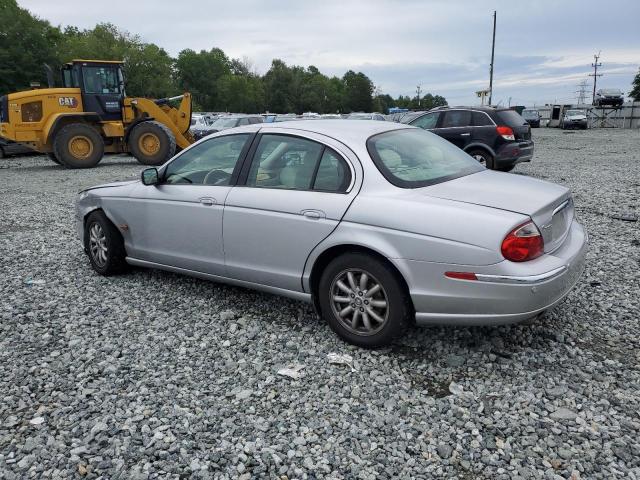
<point x="523" y="243"/>
<point x="505" y="132"/>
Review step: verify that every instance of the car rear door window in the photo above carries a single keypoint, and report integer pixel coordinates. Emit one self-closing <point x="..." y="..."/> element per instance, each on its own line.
<point x="211" y="162"/>
<point x="428" y="121"/>
<point x="332" y="174"/>
<point x="480" y="119"/>
<point x="293" y="163"/>
<point x="456" y="118"/>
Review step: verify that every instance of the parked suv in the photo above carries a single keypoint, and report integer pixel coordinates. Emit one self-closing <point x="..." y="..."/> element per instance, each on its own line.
<point x="609" y="96"/>
<point x="497" y="137"/>
<point x="532" y="117"/>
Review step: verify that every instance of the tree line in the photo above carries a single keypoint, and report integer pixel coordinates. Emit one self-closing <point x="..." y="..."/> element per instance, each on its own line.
<point x="216" y="82"/>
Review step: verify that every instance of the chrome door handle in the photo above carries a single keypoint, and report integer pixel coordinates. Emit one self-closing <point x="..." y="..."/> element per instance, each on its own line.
<point x="465" y="134"/>
<point x="313" y="214"/>
<point x="208" y="201"/>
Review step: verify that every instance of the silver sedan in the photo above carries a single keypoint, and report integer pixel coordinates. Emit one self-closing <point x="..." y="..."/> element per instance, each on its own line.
<point x="377" y="224"/>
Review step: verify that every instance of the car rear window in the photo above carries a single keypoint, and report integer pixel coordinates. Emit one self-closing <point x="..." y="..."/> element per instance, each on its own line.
<point x="511" y="118"/>
<point x="412" y="158"/>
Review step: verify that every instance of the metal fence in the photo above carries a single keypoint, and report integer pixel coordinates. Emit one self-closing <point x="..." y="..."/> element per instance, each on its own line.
<point x="625" y="116"/>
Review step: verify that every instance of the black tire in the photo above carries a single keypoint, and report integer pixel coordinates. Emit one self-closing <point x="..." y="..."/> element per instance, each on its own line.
<point x="507" y="169"/>
<point x="113" y="260"/>
<point x="487" y="158"/>
<point x="161" y="144"/>
<point x="2" y="155"/>
<point x="396" y="314"/>
<point x="52" y="157"/>
<point x="89" y="141"/>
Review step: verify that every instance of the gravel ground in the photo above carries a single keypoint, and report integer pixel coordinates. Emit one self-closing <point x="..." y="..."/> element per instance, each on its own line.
<point x="153" y="375"/>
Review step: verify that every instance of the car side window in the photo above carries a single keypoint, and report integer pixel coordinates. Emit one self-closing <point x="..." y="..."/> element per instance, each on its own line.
<point x="209" y="163"/>
<point x="430" y="120"/>
<point x="294" y="163"/>
<point x="333" y="174"/>
<point x="243" y="121"/>
<point x="480" y="119"/>
<point x="456" y="118"/>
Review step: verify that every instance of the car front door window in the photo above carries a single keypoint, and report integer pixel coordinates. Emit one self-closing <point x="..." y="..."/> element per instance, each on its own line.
<point x="428" y="121"/>
<point x="211" y="162"/>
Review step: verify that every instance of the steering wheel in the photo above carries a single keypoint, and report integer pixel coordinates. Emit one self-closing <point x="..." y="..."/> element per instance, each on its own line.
<point x="217" y="177"/>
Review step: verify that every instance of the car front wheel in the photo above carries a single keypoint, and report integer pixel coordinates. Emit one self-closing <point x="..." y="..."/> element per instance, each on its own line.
<point x="104" y="245"/>
<point x="363" y="300"/>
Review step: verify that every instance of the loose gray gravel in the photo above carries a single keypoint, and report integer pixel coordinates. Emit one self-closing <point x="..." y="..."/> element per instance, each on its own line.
<point x="154" y="375"/>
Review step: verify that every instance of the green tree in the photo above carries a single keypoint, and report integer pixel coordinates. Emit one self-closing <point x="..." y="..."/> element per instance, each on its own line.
<point x="635" y="91"/>
<point x="199" y="74"/>
<point x="148" y="69"/>
<point x="358" y="92"/>
<point x="241" y="93"/>
<point x="278" y="83"/>
<point x="26" y="44"/>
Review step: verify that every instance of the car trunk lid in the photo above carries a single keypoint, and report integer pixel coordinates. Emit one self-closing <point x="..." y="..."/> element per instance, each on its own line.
<point x="549" y="205"/>
<point x="511" y="118"/>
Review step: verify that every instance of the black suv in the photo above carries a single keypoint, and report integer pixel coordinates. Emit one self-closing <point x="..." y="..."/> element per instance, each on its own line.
<point x="497" y="137"/>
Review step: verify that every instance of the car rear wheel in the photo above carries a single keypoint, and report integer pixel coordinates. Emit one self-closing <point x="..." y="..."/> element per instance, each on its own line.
<point x="78" y="145"/>
<point x="363" y="300"/>
<point x="104" y="245"/>
<point x="152" y="143"/>
<point x="483" y="157"/>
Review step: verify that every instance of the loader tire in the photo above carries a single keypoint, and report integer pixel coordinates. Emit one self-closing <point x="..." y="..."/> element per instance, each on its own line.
<point x="152" y="143"/>
<point x="52" y="157"/>
<point x="78" y="145"/>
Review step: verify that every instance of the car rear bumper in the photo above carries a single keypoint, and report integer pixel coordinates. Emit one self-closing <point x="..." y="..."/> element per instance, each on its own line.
<point x="504" y="292"/>
<point x="512" y="153"/>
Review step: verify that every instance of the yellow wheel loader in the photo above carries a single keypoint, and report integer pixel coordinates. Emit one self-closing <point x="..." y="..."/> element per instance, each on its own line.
<point x="91" y="114"/>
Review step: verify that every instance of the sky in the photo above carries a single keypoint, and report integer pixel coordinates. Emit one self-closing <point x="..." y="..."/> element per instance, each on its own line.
<point x="544" y="48"/>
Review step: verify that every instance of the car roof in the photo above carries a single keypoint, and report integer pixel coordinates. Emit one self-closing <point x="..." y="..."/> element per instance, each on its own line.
<point x="343" y="130"/>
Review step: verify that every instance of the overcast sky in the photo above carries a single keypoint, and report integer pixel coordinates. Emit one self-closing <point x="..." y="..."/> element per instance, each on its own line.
<point x="544" y="48"/>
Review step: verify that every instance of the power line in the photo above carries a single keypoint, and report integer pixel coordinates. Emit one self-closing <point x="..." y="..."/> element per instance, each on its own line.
<point x="595" y="75"/>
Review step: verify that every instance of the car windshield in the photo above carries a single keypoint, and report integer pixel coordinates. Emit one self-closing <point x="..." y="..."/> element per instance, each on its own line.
<point x="610" y="91"/>
<point x="412" y="158"/>
<point x="575" y="112"/>
<point x="225" y="123"/>
<point x="529" y="112"/>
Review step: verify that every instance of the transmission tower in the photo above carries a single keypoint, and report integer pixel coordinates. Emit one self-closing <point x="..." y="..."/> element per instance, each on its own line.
<point x="582" y="92"/>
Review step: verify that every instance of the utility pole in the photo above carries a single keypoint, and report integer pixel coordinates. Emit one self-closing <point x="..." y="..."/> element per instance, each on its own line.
<point x="493" y="49"/>
<point x="595" y="75"/>
<point x="418" y="92"/>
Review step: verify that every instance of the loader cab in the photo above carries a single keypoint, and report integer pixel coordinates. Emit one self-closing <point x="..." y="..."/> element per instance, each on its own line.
<point x="101" y="84"/>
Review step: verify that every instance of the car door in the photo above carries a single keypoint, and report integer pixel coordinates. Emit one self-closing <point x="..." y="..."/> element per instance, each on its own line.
<point x="178" y="222"/>
<point x="483" y="129"/>
<point x="456" y="127"/>
<point x="292" y="193"/>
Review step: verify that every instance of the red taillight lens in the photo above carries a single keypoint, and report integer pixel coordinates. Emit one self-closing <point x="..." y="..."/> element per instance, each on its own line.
<point x="523" y="243"/>
<point x="505" y="132"/>
<point x="461" y="275"/>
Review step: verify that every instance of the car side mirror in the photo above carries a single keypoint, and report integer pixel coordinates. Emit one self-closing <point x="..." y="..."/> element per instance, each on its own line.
<point x="149" y="176"/>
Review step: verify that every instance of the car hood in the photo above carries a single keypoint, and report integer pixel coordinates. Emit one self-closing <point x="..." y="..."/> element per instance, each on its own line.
<point x="538" y="199"/>
<point x="120" y="183"/>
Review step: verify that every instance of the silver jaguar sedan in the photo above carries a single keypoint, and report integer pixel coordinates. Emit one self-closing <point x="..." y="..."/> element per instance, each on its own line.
<point x="377" y="224"/>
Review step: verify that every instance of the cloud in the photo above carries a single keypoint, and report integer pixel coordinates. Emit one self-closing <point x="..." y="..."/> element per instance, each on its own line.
<point x="543" y="47"/>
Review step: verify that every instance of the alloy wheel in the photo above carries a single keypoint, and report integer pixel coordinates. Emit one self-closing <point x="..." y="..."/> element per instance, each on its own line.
<point x="98" y="245"/>
<point x="480" y="158"/>
<point x="359" y="302"/>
